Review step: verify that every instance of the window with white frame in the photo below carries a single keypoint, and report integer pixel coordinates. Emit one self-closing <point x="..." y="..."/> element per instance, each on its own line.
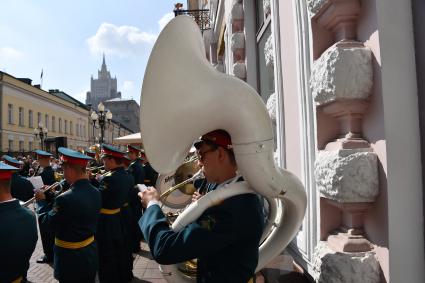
<point x="38" y="118"/>
<point x="70" y="128"/>
<point x="46" y="121"/>
<point x="30" y="146"/>
<point x="265" y="51"/>
<point x="21" y="146"/>
<point x="10" y="145"/>
<point x="30" y="119"/>
<point x="53" y="123"/>
<point x="10" y="113"/>
<point x="66" y="126"/>
<point x="21" y="116"/>
<point x="60" y="125"/>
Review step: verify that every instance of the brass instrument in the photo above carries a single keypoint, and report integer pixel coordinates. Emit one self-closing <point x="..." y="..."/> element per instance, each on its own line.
<point x="95" y="168"/>
<point x="51" y="187"/>
<point x="188" y="190"/>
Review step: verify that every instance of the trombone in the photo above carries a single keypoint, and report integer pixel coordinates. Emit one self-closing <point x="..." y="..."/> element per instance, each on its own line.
<point x="51" y="187"/>
<point x="197" y="175"/>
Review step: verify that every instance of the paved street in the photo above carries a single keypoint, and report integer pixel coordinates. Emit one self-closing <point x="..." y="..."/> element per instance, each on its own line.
<point x="146" y="270"/>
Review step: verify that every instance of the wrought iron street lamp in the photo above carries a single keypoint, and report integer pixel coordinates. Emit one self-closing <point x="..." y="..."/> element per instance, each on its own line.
<point x="101" y="120"/>
<point x="41" y="132"/>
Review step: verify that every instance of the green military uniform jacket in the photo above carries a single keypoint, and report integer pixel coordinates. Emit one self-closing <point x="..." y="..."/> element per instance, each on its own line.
<point x="48" y="175"/>
<point x="136" y="170"/>
<point x="74" y="218"/>
<point x="18" y="237"/>
<point x="150" y="175"/>
<point x="21" y="188"/>
<point x="225" y="239"/>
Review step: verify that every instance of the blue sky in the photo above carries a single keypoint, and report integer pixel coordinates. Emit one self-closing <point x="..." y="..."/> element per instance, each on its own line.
<point x="67" y="38"/>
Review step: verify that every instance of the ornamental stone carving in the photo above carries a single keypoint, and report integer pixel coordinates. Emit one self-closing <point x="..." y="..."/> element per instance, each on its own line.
<point x="271" y="106"/>
<point x="344" y="71"/>
<point x="315" y="5"/>
<point x="347" y="175"/>
<point x="268" y="51"/>
<point x="335" y="267"/>
<point x="237" y="41"/>
<point x="239" y="70"/>
<point x="266" y="8"/>
<point x="237" y="12"/>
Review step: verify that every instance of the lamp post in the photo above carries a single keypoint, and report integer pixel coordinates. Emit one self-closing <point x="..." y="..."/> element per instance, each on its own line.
<point x="103" y="119"/>
<point x="40" y="132"/>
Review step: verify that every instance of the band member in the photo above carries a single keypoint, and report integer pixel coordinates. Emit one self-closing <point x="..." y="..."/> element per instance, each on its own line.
<point x="18" y="231"/>
<point x="74" y="220"/>
<point x="94" y="165"/>
<point x="47" y="174"/>
<point x="150" y="174"/>
<point x="136" y="170"/>
<point x="232" y="228"/>
<point x="20" y="187"/>
<point x="115" y="259"/>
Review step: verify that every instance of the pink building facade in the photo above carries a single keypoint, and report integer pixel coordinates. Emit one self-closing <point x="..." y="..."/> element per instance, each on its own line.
<point x="342" y="80"/>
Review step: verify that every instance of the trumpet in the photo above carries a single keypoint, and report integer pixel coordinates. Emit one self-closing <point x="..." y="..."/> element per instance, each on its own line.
<point x="95" y="168"/>
<point x="51" y="187"/>
<point x="197" y="175"/>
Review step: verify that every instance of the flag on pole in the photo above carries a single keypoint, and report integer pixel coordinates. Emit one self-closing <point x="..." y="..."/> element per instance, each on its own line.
<point x="41" y="79"/>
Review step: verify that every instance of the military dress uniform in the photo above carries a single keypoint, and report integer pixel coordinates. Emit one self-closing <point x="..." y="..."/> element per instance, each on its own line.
<point x="20" y="187"/>
<point x="114" y="255"/>
<point x="47" y="236"/>
<point x="18" y="235"/>
<point x="136" y="170"/>
<point x="74" y="219"/>
<point x="224" y="239"/>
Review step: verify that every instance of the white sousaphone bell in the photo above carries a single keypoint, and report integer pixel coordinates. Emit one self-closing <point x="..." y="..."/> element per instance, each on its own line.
<point x="183" y="97"/>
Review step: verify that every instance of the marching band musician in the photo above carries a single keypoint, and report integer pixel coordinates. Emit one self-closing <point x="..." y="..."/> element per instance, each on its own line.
<point x="93" y="164"/>
<point x="18" y="231"/>
<point x="232" y="228"/>
<point x="150" y="174"/>
<point x="20" y="187"/>
<point x="48" y="176"/>
<point x="115" y="258"/>
<point x="73" y="219"/>
<point x="136" y="170"/>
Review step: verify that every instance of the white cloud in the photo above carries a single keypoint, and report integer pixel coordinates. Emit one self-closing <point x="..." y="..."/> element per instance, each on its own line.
<point x="165" y="19"/>
<point x="127" y="86"/>
<point x="120" y="40"/>
<point x="10" y="54"/>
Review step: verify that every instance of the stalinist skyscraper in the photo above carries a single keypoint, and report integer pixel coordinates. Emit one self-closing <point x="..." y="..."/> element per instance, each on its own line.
<point x="103" y="88"/>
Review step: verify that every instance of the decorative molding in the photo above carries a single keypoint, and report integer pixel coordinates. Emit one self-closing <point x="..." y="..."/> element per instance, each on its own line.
<point x="344" y="71"/>
<point x="271" y="106"/>
<point x="269" y="51"/>
<point x="347" y="175"/>
<point x="336" y="267"/>
<point x="237" y="12"/>
<point x="266" y="8"/>
<point x="315" y="5"/>
<point x="239" y="70"/>
<point x="237" y="41"/>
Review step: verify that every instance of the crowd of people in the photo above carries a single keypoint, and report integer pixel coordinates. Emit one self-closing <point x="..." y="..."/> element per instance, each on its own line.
<point x="94" y="224"/>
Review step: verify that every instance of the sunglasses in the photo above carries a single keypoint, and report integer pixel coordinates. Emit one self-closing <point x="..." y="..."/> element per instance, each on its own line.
<point x="201" y="154"/>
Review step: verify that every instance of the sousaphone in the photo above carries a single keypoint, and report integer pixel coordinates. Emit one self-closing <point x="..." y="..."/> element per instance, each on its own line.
<point x="183" y="97"/>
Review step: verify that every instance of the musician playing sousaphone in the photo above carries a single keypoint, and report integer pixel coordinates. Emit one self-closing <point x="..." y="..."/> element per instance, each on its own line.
<point x="223" y="228"/>
<point x="73" y="219"/>
<point x="226" y="237"/>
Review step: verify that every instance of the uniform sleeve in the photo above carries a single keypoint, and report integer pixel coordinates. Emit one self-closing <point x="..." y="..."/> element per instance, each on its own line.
<point x="168" y="247"/>
<point x="55" y="216"/>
